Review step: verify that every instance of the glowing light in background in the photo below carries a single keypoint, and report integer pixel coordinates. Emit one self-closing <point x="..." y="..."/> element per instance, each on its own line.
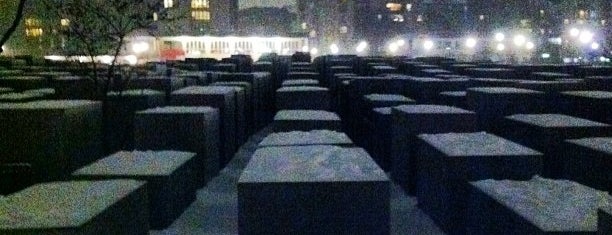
<point x="401" y="42"/>
<point x="529" y="45"/>
<point x="428" y="45"/>
<point x="393" y="47"/>
<point x="594" y="45"/>
<point x="314" y="51"/>
<point x="140" y="47"/>
<point x="362" y="46"/>
<point x="499" y="37"/>
<point x="471" y="42"/>
<point x="585" y="37"/>
<point x="574" y="32"/>
<point x="519" y="40"/>
<point x="334" y="49"/>
<point x="501" y="47"/>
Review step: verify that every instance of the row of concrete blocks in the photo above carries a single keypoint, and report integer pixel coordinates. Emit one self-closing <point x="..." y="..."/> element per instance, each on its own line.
<point x="304" y="179"/>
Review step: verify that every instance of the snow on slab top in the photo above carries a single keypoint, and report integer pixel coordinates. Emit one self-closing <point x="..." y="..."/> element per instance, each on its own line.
<point x="69" y="78"/>
<point x="591" y="94"/>
<point x="137" y="163"/>
<point x="426" y="79"/>
<point x="383" y="67"/>
<point x="601" y="144"/>
<point x="504" y="90"/>
<point x="136" y="92"/>
<point x="383" y="110"/>
<point x="291" y="115"/>
<point x="454" y="93"/>
<point x="475" y="144"/>
<point x="551" y="205"/>
<point x="55" y="74"/>
<point x="204" y="90"/>
<point x="10" y="72"/>
<point x="19" y="96"/>
<point x="433" y="109"/>
<point x="555" y="120"/>
<point x="301" y="88"/>
<point x="235" y="83"/>
<point x="491" y="69"/>
<point x="62" y="204"/>
<point x="301" y="82"/>
<point x="316" y="163"/>
<point x="304" y="73"/>
<point x="435" y="71"/>
<point x="551" y="74"/>
<point x="5" y="89"/>
<point x="314" y="137"/>
<point x="23" y="78"/>
<point x="179" y="109"/>
<point x="44" y="91"/>
<point x="388" y="97"/>
<point x="50" y="104"/>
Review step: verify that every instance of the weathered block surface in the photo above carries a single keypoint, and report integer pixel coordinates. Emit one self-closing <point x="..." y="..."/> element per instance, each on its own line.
<point x="194" y="129"/>
<point x="55" y="137"/>
<point x="589" y="162"/>
<point x="169" y="176"/>
<point x="546" y="133"/>
<point x="314" y="137"/>
<point x="319" y="189"/>
<point x="224" y="99"/>
<point x="77" y="207"/>
<point x="306" y="120"/>
<point x="410" y="120"/>
<point x="447" y="162"/>
<point x="536" y="206"/>
<point x="303" y="97"/>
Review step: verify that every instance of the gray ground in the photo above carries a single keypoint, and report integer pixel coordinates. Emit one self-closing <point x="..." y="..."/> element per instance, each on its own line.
<point x="215" y="210"/>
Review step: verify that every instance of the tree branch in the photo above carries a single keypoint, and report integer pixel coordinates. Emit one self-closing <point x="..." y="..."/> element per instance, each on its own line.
<point x="14" y="25"/>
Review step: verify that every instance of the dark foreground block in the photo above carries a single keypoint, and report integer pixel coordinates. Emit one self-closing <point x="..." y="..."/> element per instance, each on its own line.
<point x="303" y="97"/>
<point x="306" y="120"/>
<point x="314" y="189"/>
<point x="20" y="97"/>
<point x="604" y="225"/>
<point x="169" y="176"/>
<point x="300" y="138"/>
<point x="22" y="83"/>
<point x="193" y="129"/>
<point x="447" y="162"/>
<point x="594" y="105"/>
<point x="453" y="98"/>
<point x="536" y="206"/>
<point x="589" y="161"/>
<point x="410" y="120"/>
<point x="74" y="87"/>
<point x="77" y="207"/>
<point x="546" y="133"/>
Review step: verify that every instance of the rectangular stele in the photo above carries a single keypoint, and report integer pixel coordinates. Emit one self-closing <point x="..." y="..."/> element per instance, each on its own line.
<point x="589" y="161"/>
<point x="604" y="225"/>
<point x="303" y="138"/>
<point x="447" y="162"/>
<point x="169" y="176"/>
<point x="315" y="190"/>
<point x="77" y="207"/>
<point x="306" y="120"/>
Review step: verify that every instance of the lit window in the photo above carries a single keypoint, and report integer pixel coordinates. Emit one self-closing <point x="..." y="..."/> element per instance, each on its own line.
<point x="65" y="22"/>
<point x="304" y="25"/>
<point x="155" y="16"/>
<point x="481" y="17"/>
<point x="394" y="6"/>
<point x="200" y="15"/>
<point x="34" y="32"/>
<point x="409" y="7"/>
<point x="31" y="22"/>
<point x="420" y="18"/>
<point x="198" y="4"/>
<point x="168" y="3"/>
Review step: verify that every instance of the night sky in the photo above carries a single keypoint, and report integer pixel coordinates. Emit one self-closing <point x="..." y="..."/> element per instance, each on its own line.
<point x="265" y="3"/>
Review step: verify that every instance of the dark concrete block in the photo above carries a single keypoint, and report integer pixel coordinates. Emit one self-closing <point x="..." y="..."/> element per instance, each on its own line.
<point x="604" y="225"/>
<point x="492" y="82"/>
<point x="302" y="138"/>
<point x="22" y="83"/>
<point x="169" y="176"/>
<point x="74" y="87"/>
<point x="225" y="67"/>
<point x="601" y="83"/>
<point x="249" y="105"/>
<point x="223" y="98"/>
<point x="546" y="133"/>
<point x="194" y="129"/>
<point x="119" y="110"/>
<point x="158" y="83"/>
<point x="431" y="72"/>
<point x="263" y="90"/>
<point x="453" y="98"/>
<point x="407" y="122"/>
<point x="425" y="90"/>
<point x="385" y="100"/>
<point x="306" y="120"/>
<point x="492" y="104"/>
<point x="382" y="69"/>
<point x="588" y="161"/>
<point x="500" y="73"/>
<point x="303" y="97"/>
<point x="240" y="113"/>
<point x="318" y="189"/>
<point x="55" y="137"/>
<point x="77" y="207"/>
<point x="536" y="206"/>
<point x="549" y="76"/>
<point x="448" y="162"/>
<point x="594" y="105"/>
<point x="302" y="75"/>
<point x="379" y="141"/>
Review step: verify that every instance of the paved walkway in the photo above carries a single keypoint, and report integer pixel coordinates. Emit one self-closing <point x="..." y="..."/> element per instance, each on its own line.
<point x="215" y="210"/>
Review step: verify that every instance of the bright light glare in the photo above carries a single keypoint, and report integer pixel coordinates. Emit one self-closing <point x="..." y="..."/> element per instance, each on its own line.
<point x="499" y="37"/>
<point x="362" y="46"/>
<point x="428" y="45"/>
<point x="545" y="56"/>
<point x="106" y="59"/>
<point x="314" y="51"/>
<point x="594" y="45"/>
<point x="574" y="32"/>
<point x="334" y="49"/>
<point x="585" y="37"/>
<point x="393" y="47"/>
<point x="501" y="47"/>
<point x="140" y="47"/>
<point x="305" y="49"/>
<point x="401" y="42"/>
<point x="519" y="40"/>
<point x="529" y="45"/>
<point x="470" y="42"/>
<point x="131" y="59"/>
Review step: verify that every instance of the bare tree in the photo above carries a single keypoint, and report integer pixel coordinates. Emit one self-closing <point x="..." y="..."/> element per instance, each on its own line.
<point x="18" y="16"/>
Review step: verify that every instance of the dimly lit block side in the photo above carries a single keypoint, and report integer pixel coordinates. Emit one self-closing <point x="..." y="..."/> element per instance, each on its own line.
<point x="604" y="225"/>
<point x="303" y="97"/>
<point x="306" y="120"/>
<point x="302" y="138"/>
<point x="589" y="161"/>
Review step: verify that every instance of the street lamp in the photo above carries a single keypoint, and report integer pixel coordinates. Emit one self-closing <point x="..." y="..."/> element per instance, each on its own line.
<point x="500" y="37"/>
<point x="529" y="45"/>
<point x="471" y="43"/>
<point x="400" y="42"/>
<point x="585" y="37"/>
<point x="393" y="47"/>
<point x="594" y="45"/>
<point x="334" y="49"/>
<point x="314" y="51"/>
<point x="361" y="47"/>
<point x="574" y="32"/>
<point x="519" y="40"/>
<point x="428" y="45"/>
<point x="501" y="47"/>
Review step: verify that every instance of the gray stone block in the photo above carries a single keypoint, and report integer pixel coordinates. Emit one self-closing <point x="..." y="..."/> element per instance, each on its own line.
<point x="448" y="162"/>
<point x="55" y="137"/>
<point x="536" y="206"/>
<point x="77" y="207"/>
<point x="492" y="82"/>
<point x="306" y="120"/>
<point x="301" y="138"/>
<point x="169" y="176"/>
<point x="193" y="129"/>
<point x="119" y="110"/>
<point x="240" y="113"/>
<point x="263" y="90"/>
<point x="249" y="105"/>
<point x="546" y="133"/>
<point x="604" y="225"/>
<point x="588" y="161"/>
<point x="223" y="98"/>
<point x="159" y="83"/>
<point x="453" y="98"/>
<point x="313" y="189"/>
<point x="549" y="76"/>
<point x="407" y="122"/>
<point x="300" y="82"/>
<point x="303" y="97"/>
